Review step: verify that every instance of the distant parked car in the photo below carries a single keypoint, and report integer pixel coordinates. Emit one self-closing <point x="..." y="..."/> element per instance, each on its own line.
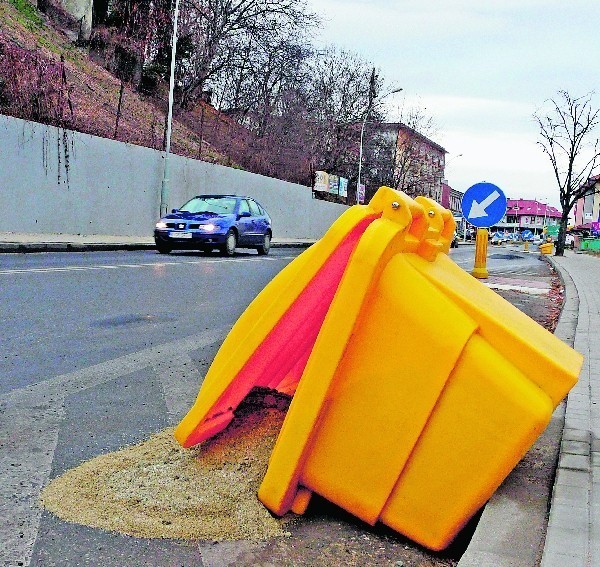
<point x="454" y="243"/>
<point x="570" y="241"/>
<point x="208" y="222"/>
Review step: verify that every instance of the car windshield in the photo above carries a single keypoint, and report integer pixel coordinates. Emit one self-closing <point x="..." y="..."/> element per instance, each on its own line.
<point x="215" y="205"/>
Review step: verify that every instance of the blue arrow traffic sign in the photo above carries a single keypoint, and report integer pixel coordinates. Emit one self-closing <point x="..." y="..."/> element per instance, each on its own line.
<point x="527" y="235"/>
<point x="483" y="204"/>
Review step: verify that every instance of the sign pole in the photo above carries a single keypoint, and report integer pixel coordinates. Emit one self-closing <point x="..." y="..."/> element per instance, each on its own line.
<point x="483" y="205"/>
<point x="481" y="245"/>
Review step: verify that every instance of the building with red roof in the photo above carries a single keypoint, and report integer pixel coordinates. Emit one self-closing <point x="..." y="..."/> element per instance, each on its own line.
<point x="523" y="214"/>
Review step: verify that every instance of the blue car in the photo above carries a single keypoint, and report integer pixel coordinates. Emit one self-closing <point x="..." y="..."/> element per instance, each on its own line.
<point x="224" y="222"/>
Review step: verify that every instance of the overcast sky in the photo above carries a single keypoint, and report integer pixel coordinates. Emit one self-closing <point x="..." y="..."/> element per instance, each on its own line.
<point x="480" y="68"/>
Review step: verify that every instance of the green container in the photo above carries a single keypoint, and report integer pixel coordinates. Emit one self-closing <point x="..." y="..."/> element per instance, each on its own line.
<point x="591" y="244"/>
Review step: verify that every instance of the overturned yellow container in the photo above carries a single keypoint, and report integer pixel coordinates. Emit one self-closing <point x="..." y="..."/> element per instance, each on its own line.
<point x="417" y="389"/>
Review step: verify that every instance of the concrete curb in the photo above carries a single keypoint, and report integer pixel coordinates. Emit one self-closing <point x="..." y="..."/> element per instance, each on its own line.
<point x="567" y="322"/>
<point x="30" y="247"/>
<point x="292" y="244"/>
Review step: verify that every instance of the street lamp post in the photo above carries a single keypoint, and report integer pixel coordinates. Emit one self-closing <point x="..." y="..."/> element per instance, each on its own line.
<point x="362" y="135"/>
<point x="164" y="188"/>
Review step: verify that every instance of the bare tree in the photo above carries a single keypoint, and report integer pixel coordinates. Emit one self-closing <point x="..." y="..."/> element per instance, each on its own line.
<point x="303" y="106"/>
<point x="262" y="85"/>
<point x="342" y="87"/>
<point x="566" y="131"/>
<point x="265" y="94"/>
<point x="222" y="28"/>
<point x="136" y="30"/>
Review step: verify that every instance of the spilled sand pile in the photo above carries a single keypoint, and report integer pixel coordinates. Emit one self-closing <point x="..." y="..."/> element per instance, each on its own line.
<point x="156" y="489"/>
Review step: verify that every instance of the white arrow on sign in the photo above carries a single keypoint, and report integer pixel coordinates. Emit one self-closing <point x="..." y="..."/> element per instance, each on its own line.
<point x="479" y="209"/>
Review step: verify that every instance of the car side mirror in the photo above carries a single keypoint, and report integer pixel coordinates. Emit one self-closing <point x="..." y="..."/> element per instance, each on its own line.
<point x="174" y="210"/>
<point x="244" y="214"/>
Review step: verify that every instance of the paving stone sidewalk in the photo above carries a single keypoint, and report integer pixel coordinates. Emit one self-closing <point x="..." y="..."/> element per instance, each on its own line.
<point x="573" y="536"/>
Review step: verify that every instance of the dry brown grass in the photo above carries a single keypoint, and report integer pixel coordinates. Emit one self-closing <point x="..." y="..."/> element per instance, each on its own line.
<point x="95" y="92"/>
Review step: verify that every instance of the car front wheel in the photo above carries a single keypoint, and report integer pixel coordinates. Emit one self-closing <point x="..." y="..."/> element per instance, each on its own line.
<point x="264" y="248"/>
<point x="163" y="248"/>
<point x="230" y="243"/>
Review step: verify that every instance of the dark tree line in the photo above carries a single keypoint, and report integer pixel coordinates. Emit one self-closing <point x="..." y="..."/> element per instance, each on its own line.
<point x="256" y="63"/>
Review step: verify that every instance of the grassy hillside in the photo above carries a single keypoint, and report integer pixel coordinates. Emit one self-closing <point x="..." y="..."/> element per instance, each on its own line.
<point x="30" y="42"/>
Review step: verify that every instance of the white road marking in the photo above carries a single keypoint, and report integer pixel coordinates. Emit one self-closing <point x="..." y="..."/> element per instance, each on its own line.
<point x="30" y="420"/>
<point x="521" y="288"/>
<point x="180" y="381"/>
<point x="15" y="271"/>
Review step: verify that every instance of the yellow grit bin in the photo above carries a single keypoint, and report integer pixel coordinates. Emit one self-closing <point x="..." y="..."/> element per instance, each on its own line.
<point x="416" y="389"/>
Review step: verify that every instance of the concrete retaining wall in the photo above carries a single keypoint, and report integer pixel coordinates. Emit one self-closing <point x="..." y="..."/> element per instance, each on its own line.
<point x="54" y="180"/>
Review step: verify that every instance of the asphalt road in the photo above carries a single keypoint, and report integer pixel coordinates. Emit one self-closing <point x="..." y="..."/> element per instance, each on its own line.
<point x="503" y="260"/>
<point x="62" y="312"/>
<point x="66" y="311"/>
<point x="100" y="350"/>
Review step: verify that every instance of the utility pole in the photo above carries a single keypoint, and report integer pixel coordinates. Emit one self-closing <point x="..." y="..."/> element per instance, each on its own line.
<point x="372" y="100"/>
<point x="164" y="189"/>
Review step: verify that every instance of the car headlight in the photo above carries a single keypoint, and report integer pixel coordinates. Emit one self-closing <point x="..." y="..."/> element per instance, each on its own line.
<point x="210" y="227"/>
<point x="161" y="224"/>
